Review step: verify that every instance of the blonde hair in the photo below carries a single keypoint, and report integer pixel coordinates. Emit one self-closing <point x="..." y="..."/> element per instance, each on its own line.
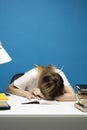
<point x="50" y="83"/>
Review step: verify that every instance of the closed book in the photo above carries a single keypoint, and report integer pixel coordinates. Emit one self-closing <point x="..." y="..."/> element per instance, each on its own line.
<point x="84" y="96"/>
<point x="82" y="87"/>
<point x="3" y="96"/>
<point x="80" y="107"/>
<point x="82" y="92"/>
<point x="4" y="102"/>
<point x="83" y="102"/>
<point x="8" y="107"/>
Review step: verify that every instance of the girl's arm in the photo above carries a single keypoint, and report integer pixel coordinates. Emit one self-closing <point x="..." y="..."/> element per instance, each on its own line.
<point x="20" y="92"/>
<point x="69" y="94"/>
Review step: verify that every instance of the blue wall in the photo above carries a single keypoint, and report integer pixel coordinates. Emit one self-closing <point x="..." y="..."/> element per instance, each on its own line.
<point x="44" y="32"/>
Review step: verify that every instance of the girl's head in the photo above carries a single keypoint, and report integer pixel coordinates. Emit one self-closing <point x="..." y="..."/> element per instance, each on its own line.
<point x="50" y="83"/>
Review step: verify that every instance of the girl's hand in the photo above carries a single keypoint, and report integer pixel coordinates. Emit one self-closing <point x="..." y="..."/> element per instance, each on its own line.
<point x="29" y="95"/>
<point x="37" y="93"/>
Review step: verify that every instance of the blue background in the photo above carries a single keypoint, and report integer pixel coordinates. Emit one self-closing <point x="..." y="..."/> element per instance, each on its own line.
<point x="44" y="32"/>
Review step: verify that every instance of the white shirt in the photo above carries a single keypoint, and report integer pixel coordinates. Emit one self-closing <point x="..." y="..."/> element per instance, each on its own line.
<point x="30" y="79"/>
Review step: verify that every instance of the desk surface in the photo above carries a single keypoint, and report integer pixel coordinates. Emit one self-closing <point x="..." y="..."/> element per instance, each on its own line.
<point x="58" y="109"/>
<point x="62" y="115"/>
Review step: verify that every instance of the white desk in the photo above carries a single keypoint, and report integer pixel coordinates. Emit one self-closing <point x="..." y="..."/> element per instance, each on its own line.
<point x="52" y="116"/>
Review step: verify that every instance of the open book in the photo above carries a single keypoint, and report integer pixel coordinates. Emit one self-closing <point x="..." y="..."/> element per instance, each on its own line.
<point x="41" y="101"/>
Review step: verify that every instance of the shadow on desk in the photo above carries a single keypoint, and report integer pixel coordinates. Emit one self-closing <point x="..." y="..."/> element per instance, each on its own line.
<point x="43" y="123"/>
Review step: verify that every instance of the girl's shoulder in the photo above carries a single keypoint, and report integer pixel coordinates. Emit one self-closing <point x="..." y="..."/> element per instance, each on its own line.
<point x="57" y="70"/>
<point x="31" y="72"/>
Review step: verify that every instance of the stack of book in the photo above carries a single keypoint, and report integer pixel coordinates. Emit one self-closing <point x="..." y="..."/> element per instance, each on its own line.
<point x="4" y="102"/>
<point x="81" y="104"/>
